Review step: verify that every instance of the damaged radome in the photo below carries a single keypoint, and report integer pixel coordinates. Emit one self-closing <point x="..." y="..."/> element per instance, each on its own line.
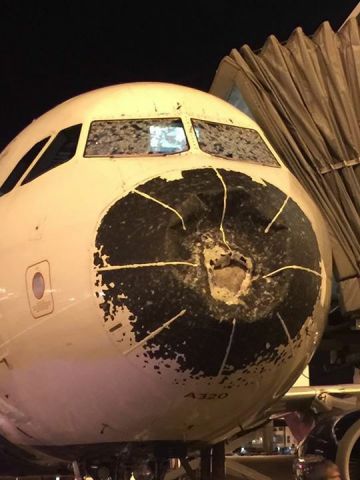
<point x="229" y="272"/>
<point x="188" y="299"/>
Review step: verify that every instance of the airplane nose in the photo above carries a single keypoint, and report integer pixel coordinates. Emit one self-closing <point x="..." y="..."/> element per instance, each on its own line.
<point x="208" y="272"/>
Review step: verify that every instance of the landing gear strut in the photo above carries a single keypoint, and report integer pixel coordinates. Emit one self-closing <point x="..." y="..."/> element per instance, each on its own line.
<point x="218" y="462"/>
<point x="76" y="470"/>
<point x="205" y="463"/>
<point x="212" y="463"/>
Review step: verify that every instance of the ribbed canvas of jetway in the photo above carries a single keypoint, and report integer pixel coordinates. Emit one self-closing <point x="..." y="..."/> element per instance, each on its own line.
<point x="305" y="96"/>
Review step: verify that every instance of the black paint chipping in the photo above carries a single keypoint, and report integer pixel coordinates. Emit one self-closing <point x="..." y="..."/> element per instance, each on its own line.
<point x="136" y="230"/>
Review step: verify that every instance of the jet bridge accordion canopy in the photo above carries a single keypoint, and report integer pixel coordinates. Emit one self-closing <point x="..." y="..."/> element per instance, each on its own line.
<point x="305" y="96"/>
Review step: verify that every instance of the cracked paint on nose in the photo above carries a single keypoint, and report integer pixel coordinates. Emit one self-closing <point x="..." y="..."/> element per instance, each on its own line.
<point x="189" y="270"/>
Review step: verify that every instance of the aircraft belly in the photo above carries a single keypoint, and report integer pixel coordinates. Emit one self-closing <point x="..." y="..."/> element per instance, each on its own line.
<point x="112" y="401"/>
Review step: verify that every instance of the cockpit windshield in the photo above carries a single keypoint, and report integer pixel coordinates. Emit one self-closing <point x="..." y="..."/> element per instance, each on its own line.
<point x="233" y="143"/>
<point x="115" y="138"/>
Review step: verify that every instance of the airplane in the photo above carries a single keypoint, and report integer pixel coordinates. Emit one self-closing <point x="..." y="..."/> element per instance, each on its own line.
<point x="164" y="280"/>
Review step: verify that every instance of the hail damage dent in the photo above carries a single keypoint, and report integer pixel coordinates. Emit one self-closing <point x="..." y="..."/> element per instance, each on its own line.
<point x="229" y="272"/>
<point x="188" y="300"/>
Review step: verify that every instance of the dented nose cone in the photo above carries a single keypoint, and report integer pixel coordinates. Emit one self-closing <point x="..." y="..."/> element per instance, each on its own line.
<point x="229" y="272"/>
<point x="190" y="273"/>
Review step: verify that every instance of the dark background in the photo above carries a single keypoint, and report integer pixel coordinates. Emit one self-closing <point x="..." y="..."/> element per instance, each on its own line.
<point x="52" y="51"/>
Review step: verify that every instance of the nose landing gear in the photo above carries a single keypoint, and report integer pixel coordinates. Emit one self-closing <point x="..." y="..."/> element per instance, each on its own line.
<point x="212" y="463"/>
<point x="154" y="466"/>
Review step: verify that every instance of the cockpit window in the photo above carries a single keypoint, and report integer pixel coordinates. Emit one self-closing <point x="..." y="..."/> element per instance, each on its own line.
<point x="233" y="143"/>
<point x="22" y="166"/>
<point x="115" y="138"/>
<point x="60" y="150"/>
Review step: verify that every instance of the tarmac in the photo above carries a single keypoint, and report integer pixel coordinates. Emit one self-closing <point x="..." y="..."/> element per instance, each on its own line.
<point x="276" y="467"/>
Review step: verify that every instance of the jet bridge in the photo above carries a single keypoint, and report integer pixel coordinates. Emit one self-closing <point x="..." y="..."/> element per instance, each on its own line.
<point x="304" y="94"/>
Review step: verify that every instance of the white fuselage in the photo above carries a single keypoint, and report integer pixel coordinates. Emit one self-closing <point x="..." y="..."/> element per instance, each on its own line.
<point x="64" y="377"/>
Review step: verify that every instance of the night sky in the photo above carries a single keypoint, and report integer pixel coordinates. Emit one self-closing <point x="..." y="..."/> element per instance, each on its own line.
<point x="51" y="51"/>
